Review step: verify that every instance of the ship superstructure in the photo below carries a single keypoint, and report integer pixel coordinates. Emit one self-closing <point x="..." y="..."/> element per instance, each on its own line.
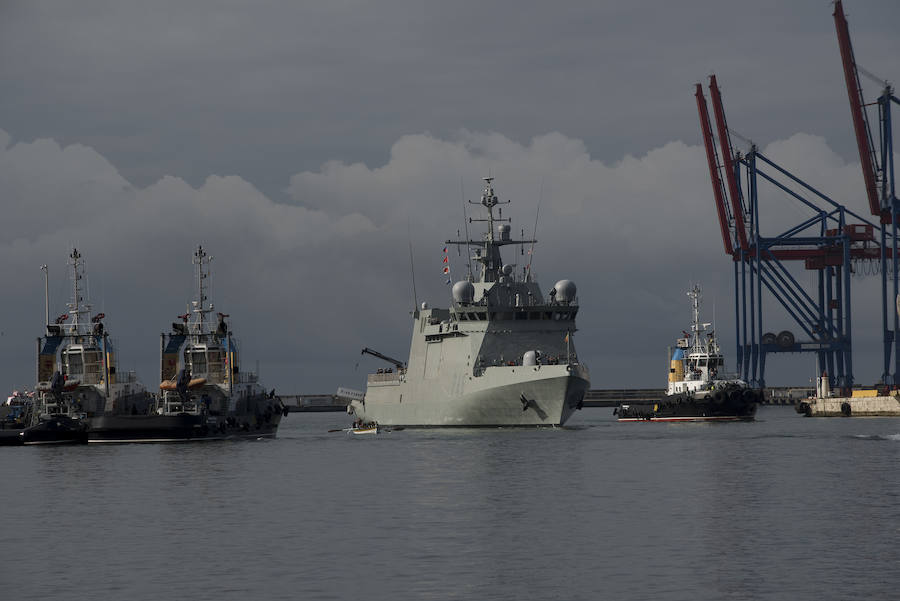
<point x="500" y="355"/>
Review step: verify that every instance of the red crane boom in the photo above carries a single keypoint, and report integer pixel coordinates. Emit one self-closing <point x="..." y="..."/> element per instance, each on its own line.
<point x="718" y="190"/>
<point x="860" y="124"/>
<point x="725" y="143"/>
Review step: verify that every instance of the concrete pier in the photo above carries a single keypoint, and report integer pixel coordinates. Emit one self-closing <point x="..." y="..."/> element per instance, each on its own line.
<point x="855" y="406"/>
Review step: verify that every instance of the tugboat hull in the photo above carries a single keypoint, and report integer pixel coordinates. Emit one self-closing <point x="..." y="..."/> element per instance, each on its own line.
<point x="179" y="428"/>
<point x="60" y="429"/>
<point x="52" y="430"/>
<point x="735" y="405"/>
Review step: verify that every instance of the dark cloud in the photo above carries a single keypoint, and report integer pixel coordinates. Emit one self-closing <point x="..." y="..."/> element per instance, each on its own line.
<point x="267" y="89"/>
<point x="305" y="145"/>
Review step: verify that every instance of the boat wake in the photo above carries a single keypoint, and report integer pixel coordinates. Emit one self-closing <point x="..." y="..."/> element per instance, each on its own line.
<point x="889" y="437"/>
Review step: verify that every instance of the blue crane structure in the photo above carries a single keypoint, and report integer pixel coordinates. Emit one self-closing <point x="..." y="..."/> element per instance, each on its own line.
<point x="825" y="241"/>
<point x="878" y="174"/>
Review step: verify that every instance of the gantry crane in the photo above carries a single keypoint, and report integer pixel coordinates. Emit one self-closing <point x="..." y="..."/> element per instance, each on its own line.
<point x="825" y="242"/>
<point x="878" y="174"/>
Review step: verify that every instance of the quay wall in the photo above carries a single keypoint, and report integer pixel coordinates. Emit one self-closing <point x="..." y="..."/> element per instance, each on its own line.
<point x="871" y="406"/>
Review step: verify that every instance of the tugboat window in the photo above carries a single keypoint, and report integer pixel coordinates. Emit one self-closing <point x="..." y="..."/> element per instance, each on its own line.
<point x="75" y="363"/>
<point x="198" y="362"/>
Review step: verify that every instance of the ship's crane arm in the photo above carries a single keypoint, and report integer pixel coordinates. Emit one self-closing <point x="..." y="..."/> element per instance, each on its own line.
<point x="368" y="351"/>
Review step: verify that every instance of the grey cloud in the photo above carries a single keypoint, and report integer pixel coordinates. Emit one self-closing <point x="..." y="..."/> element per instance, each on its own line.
<point x="306" y="143"/>
<point x="267" y="89"/>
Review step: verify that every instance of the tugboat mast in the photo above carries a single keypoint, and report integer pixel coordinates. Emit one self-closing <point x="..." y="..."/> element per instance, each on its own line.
<point x="201" y="260"/>
<point x="77" y="309"/>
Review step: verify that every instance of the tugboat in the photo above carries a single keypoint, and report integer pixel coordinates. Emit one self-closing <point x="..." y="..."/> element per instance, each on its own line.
<point x="696" y="392"/>
<point x="500" y="355"/>
<point x="78" y="382"/>
<point x="203" y="394"/>
<point x="76" y="370"/>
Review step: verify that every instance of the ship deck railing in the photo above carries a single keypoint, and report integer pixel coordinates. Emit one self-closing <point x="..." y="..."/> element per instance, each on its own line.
<point x="386" y="378"/>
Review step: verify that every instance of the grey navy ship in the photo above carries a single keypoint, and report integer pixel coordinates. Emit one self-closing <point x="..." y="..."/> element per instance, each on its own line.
<point x="500" y="355"/>
<point x="698" y="389"/>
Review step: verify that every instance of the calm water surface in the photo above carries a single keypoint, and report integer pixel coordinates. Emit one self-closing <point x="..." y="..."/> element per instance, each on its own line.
<point x="782" y="508"/>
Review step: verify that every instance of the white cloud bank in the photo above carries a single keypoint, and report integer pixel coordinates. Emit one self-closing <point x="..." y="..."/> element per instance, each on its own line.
<point x="310" y="283"/>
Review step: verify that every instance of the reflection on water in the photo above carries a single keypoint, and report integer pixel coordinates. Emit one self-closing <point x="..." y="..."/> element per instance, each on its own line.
<point x="783" y="508"/>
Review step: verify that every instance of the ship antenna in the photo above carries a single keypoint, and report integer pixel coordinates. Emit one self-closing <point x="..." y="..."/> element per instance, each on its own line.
<point x="466" y="224"/>
<point x="77" y="308"/>
<point x="46" y="271"/>
<point x="201" y="258"/>
<point x="534" y="235"/>
<point x="412" y="270"/>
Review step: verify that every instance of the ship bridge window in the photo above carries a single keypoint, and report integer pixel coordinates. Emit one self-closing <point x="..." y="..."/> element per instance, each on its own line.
<point x="702" y="362"/>
<point x="197" y="360"/>
<point x="92" y="365"/>
<point x="74" y="363"/>
<point x="216" y="365"/>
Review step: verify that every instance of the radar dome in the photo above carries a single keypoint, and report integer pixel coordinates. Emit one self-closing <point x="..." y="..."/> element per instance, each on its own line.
<point x="529" y="359"/>
<point x="565" y="291"/>
<point x="463" y="292"/>
<point x="503" y="230"/>
<point x="507" y="269"/>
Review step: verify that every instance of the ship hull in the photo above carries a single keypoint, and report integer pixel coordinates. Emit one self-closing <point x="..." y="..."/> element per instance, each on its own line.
<point x="545" y="396"/>
<point x="677" y="408"/>
<point x="56" y="430"/>
<point x="178" y="428"/>
<point x="52" y="430"/>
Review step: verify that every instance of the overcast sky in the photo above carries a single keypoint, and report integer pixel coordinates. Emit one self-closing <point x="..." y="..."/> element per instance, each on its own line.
<point x="305" y="144"/>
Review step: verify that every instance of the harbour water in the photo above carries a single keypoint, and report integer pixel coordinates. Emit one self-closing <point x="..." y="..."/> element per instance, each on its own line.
<point x="781" y="508"/>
